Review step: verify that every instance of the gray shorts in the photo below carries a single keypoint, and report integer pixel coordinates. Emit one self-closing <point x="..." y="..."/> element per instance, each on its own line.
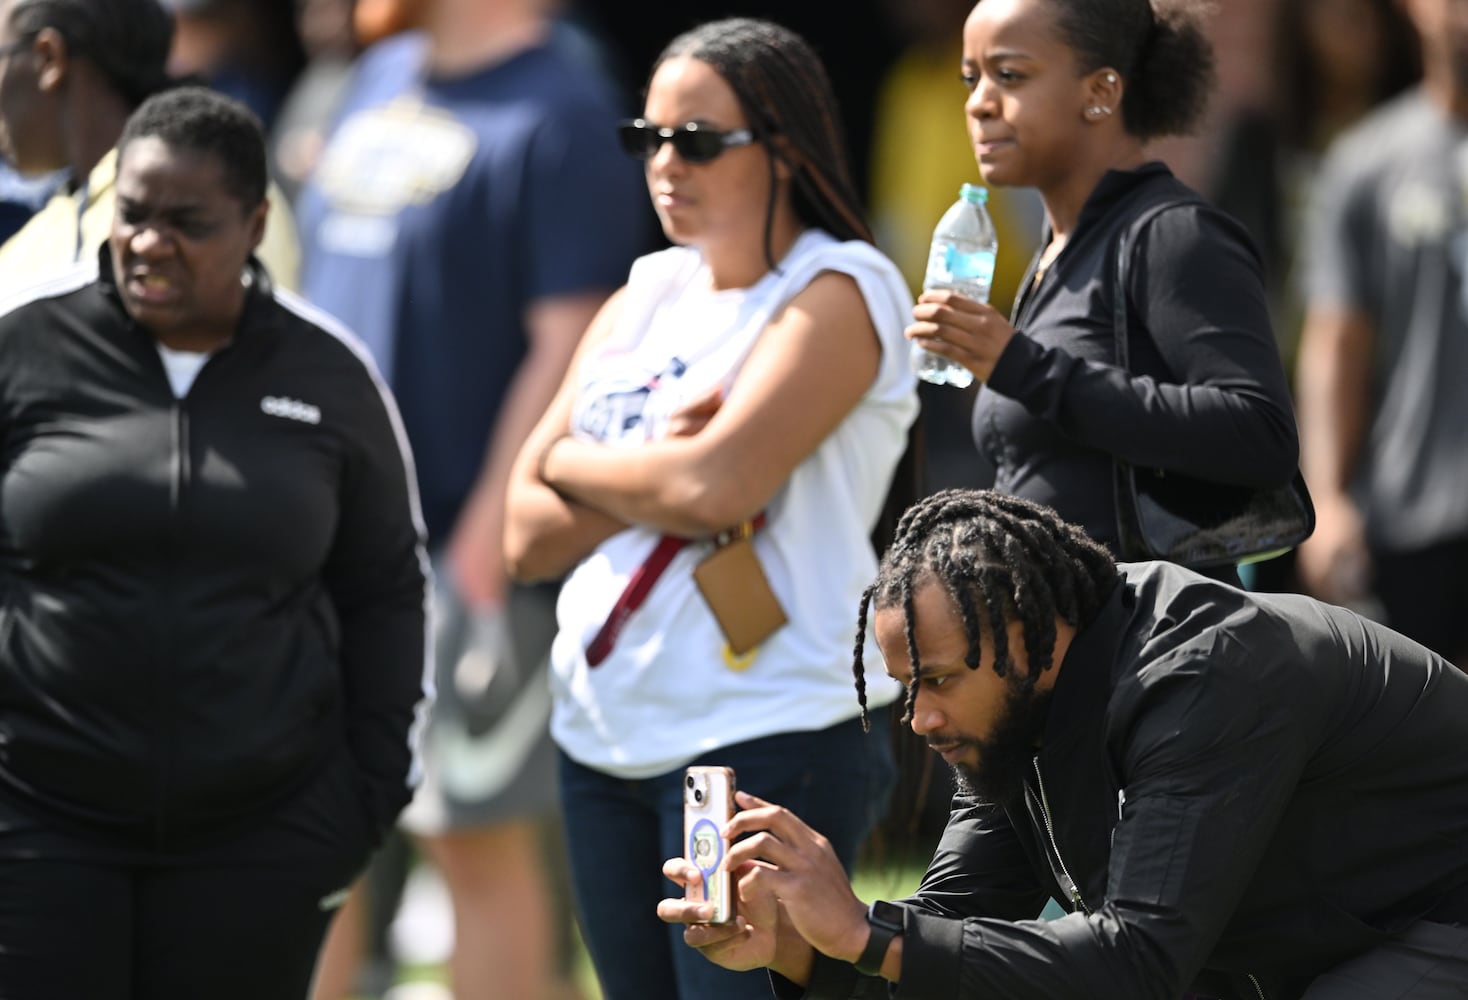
<point x="487" y="753"/>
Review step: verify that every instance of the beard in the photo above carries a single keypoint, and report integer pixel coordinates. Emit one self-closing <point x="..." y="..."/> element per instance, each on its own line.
<point x="1004" y="756"/>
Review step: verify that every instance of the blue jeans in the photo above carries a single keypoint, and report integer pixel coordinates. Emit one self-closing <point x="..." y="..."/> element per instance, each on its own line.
<point x="619" y="832"/>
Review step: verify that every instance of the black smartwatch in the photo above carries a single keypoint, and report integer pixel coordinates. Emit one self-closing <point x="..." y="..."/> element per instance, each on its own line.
<point x="885" y="921"/>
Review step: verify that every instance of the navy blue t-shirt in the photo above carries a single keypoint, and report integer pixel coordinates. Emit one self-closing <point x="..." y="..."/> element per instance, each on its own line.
<point x="442" y="209"/>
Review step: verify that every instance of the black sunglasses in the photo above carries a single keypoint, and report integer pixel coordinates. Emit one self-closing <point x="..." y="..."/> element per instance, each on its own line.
<point x="693" y="142"/>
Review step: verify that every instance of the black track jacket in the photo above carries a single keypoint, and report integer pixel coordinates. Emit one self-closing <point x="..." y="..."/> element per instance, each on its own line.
<point x="1234" y="791"/>
<point x="204" y="599"/>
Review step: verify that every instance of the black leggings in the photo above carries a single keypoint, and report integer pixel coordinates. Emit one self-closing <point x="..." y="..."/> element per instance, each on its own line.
<point x="240" y="920"/>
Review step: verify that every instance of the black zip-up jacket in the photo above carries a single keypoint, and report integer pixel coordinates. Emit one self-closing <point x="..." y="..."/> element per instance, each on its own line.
<point x="205" y="600"/>
<point x="1206" y="395"/>
<point x="1235" y="791"/>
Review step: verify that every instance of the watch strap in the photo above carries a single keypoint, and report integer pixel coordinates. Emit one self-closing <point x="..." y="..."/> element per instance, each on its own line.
<point x="885" y="922"/>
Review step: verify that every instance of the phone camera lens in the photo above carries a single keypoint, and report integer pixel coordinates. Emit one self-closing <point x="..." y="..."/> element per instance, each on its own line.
<point x="688" y="781"/>
<point x="698" y="796"/>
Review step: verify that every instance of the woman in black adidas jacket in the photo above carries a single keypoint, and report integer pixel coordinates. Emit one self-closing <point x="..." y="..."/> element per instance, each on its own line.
<point x="212" y="629"/>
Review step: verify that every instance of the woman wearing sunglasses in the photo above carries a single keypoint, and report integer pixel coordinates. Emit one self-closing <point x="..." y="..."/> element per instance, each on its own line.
<point x="710" y="476"/>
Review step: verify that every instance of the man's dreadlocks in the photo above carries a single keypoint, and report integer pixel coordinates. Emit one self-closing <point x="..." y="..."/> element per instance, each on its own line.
<point x="996" y="555"/>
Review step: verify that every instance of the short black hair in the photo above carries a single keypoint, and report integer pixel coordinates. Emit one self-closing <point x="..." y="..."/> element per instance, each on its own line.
<point x="128" y="40"/>
<point x="1000" y="558"/>
<point x="1160" y="49"/>
<point x="205" y="121"/>
<point x="783" y="89"/>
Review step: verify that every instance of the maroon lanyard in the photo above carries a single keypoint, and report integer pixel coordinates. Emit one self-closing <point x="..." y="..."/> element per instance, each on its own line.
<point x="640" y="584"/>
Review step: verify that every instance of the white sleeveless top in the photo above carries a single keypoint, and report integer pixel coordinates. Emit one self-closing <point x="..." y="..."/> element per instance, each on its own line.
<point x="667" y="691"/>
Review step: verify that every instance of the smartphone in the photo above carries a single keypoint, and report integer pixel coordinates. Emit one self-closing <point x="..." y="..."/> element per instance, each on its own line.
<point x="708" y="803"/>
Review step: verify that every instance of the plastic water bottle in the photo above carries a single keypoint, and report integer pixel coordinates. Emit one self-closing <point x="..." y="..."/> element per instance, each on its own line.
<point x="962" y="259"/>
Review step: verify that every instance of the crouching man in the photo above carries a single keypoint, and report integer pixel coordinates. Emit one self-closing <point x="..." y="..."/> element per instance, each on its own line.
<point x="1242" y="796"/>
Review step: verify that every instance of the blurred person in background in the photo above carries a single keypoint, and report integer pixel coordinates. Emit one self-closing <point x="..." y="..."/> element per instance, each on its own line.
<point x="1383" y="414"/>
<point x="1333" y="61"/>
<point x="21" y="197"/>
<point x="215" y="591"/>
<point x="248" y="49"/>
<point x="374" y="20"/>
<point x="71" y="71"/>
<point x="747" y="391"/>
<point x="469" y="215"/>
<point x="298" y="135"/>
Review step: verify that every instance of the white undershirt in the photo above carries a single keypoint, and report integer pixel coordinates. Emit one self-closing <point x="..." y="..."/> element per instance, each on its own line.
<point x="182" y="368"/>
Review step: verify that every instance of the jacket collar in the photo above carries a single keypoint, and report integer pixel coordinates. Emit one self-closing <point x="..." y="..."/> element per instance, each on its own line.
<point x="1117" y="185"/>
<point x="1084" y="686"/>
<point x="1114" y="187"/>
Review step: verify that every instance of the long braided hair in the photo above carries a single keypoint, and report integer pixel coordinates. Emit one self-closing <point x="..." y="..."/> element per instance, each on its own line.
<point x="1000" y="558"/>
<point x="783" y="89"/>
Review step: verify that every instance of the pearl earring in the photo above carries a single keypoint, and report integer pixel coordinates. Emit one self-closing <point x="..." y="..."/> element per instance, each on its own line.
<point x="1110" y="77"/>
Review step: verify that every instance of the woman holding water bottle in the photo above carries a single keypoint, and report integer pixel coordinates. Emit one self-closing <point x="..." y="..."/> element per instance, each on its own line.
<point x="961" y="260"/>
<point x="709" y="476"/>
<point x="1064" y="95"/>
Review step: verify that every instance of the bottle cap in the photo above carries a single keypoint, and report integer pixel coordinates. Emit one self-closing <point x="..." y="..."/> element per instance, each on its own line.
<point x="974" y="193"/>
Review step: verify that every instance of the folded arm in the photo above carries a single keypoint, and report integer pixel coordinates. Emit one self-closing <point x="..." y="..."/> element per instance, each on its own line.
<point x="808" y="370"/>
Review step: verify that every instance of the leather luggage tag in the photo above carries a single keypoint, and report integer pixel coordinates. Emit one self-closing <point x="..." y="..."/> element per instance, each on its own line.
<point x="738" y="593"/>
